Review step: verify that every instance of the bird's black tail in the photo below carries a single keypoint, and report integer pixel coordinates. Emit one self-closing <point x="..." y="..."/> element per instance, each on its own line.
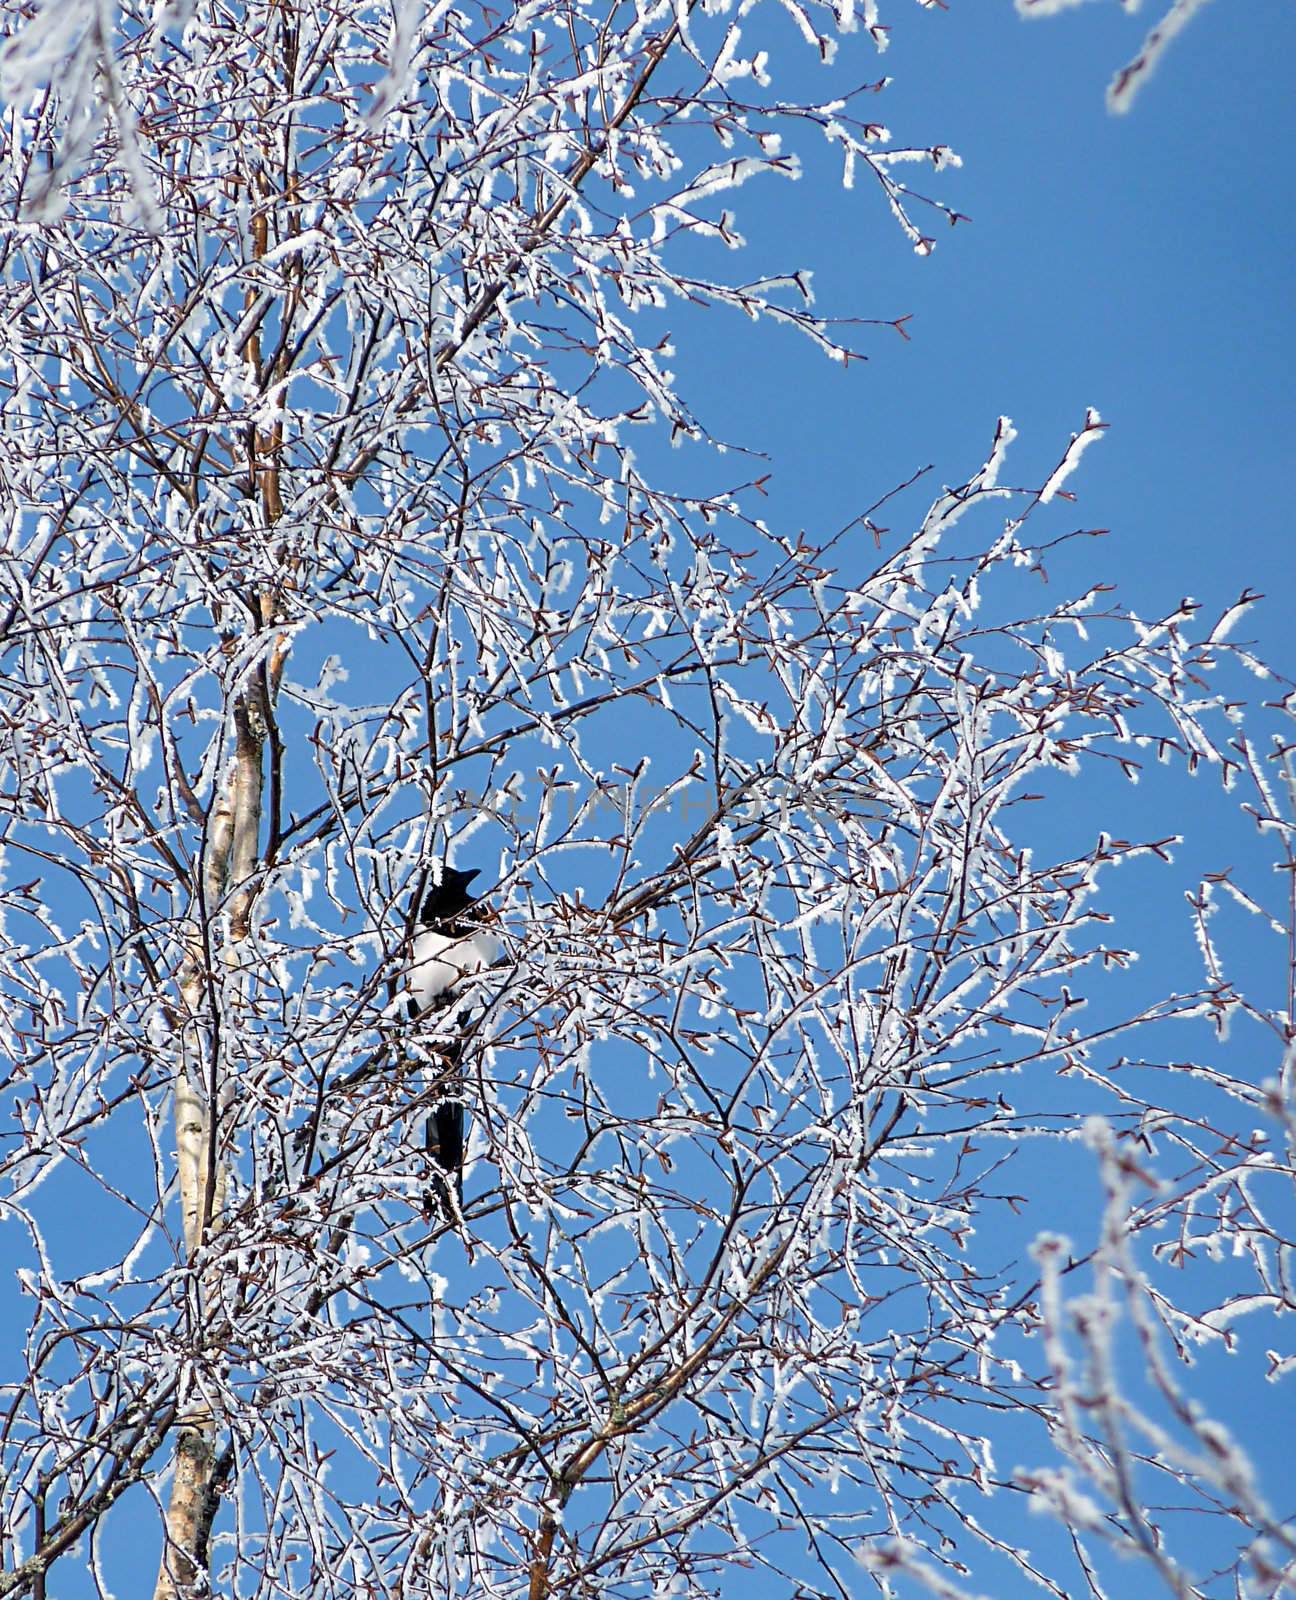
<point x="445" y="1139"/>
<point x="444" y="1136"/>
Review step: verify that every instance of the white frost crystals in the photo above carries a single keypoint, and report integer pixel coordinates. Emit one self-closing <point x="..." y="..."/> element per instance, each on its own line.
<point x="326" y="559"/>
<point x="1125" y="86"/>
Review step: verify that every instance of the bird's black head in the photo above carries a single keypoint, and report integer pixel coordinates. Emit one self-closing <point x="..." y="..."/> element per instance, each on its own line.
<point x="449" y="898"/>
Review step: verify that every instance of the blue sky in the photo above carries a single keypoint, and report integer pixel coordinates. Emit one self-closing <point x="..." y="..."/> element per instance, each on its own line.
<point x="1139" y="264"/>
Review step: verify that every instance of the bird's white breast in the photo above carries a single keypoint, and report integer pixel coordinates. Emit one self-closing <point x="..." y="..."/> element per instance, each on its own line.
<point x="440" y="962"/>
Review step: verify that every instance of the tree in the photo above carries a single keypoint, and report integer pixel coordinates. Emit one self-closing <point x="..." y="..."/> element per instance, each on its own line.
<point x="329" y="562"/>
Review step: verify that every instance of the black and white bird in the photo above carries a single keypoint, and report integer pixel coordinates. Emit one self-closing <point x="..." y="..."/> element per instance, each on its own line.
<point x="450" y="946"/>
<point x="448" y="951"/>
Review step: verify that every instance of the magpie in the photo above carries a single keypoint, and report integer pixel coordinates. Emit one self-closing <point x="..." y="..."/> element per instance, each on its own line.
<point x="449" y="949"/>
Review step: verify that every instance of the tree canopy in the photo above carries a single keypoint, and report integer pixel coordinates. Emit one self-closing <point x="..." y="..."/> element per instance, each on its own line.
<point x="330" y="560"/>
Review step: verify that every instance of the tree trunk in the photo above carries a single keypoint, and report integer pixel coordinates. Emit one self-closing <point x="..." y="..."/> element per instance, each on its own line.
<point x="202" y="1093"/>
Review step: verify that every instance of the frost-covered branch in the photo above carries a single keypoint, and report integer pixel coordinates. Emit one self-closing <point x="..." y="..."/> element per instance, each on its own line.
<point x="329" y="559"/>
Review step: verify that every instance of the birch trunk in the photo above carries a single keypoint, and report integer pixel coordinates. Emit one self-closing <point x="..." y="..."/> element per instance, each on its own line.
<point x="212" y="1001"/>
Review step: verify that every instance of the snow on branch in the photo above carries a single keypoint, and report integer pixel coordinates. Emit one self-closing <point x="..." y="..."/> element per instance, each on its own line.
<point x="674" y="1233"/>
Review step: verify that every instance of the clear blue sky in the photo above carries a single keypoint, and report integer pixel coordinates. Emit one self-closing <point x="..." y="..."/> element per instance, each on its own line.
<point x="1140" y="264"/>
